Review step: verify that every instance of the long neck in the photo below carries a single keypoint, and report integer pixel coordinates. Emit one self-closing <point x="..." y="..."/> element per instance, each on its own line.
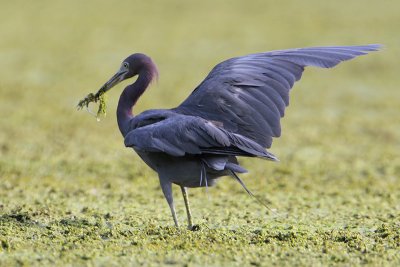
<point x="128" y="99"/>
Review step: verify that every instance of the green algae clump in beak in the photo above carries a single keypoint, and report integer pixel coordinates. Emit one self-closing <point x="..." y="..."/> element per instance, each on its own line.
<point x="99" y="97"/>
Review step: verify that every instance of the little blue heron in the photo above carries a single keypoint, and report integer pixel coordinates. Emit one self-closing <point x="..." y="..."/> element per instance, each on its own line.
<point x="235" y="111"/>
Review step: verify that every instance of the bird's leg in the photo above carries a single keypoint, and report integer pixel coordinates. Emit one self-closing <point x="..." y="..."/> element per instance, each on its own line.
<point x="166" y="187"/>
<point x="234" y="175"/>
<point x="188" y="212"/>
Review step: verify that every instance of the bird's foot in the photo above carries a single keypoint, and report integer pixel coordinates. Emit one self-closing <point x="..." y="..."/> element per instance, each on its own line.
<point x="194" y="227"/>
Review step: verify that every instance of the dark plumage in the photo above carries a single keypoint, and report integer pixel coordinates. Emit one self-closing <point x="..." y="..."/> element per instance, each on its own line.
<point x="235" y="111"/>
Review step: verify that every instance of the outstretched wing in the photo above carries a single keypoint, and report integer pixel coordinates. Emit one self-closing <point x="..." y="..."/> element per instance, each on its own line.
<point x="180" y="135"/>
<point x="248" y="95"/>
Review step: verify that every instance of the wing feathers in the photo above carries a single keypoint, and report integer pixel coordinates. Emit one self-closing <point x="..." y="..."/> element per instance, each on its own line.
<point x="248" y="94"/>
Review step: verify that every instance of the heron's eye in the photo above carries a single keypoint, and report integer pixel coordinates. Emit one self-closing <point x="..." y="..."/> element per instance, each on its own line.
<point x="126" y="65"/>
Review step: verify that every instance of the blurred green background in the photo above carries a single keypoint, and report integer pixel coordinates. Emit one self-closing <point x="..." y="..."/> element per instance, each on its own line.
<point x="71" y="194"/>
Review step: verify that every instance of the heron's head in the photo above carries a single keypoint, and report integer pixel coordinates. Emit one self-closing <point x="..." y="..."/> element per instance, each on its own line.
<point x="133" y="65"/>
<point x="136" y="64"/>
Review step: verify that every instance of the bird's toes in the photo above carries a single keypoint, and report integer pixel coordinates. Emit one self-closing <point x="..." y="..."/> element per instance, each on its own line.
<point x="194" y="227"/>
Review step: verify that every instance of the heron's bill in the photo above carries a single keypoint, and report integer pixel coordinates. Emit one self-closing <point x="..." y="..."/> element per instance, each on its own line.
<point x="99" y="96"/>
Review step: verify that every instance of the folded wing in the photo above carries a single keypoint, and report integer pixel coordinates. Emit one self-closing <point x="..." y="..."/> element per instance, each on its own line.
<point x="181" y="135"/>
